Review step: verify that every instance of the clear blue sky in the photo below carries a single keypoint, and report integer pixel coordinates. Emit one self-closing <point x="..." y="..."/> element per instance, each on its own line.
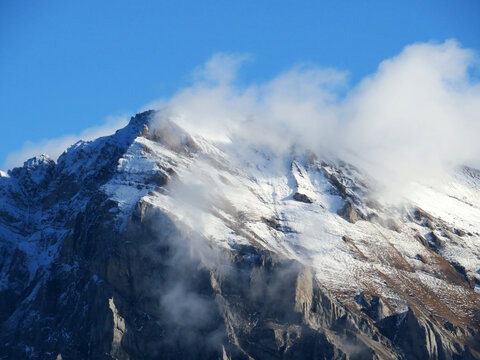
<point x="66" y="65"/>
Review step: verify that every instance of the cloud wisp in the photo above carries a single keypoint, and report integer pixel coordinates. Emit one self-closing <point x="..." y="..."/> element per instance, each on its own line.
<point x="416" y="116"/>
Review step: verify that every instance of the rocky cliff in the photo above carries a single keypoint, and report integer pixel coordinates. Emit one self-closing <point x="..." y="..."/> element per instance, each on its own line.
<point x="153" y="243"/>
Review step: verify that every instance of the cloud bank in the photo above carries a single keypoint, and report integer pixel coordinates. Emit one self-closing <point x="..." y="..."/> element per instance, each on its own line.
<point x="416" y="116"/>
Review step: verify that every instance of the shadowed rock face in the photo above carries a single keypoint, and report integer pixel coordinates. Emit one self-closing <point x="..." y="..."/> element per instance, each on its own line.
<point x="147" y="289"/>
<point x="349" y="213"/>
<point x="302" y="197"/>
<point x="145" y="303"/>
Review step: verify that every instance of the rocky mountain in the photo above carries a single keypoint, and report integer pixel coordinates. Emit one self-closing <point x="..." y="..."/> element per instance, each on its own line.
<point x="154" y="243"/>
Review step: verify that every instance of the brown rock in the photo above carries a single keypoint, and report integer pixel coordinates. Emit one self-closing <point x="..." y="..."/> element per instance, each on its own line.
<point x="350" y="213"/>
<point x="302" y="198"/>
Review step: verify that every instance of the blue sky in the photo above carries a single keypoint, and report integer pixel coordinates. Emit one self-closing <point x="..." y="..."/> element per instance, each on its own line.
<point x="66" y="66"/>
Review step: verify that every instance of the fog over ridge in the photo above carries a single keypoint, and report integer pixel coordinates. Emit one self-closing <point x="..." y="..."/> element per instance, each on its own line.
<point x="416" y="116"/>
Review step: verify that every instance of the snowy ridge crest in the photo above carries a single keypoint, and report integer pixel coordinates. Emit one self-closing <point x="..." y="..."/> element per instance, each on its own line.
<point x="393" y="264"/>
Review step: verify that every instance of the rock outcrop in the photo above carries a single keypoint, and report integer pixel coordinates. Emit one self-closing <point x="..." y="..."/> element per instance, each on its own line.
<point x="90" y="274"/>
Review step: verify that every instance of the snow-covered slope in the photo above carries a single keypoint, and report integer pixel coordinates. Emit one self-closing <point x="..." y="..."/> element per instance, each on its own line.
<point x="421" y="254"/>
<point x="290" y="206"/>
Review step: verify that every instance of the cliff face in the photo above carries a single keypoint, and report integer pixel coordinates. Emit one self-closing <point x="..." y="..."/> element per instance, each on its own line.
<point x="110" y="253"/>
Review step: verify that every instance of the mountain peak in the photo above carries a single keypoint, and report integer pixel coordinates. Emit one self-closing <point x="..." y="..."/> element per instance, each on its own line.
<point x="170" y="135"/>
<point x="36" y="161"/>
<point x="35" y="170"/>
<point x="142" y="118"/>
<point x="127" y="233"/>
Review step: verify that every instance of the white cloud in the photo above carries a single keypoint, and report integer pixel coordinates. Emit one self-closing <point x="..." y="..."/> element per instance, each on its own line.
<point x="221" y="68"/>
<point x="417" y="115"/>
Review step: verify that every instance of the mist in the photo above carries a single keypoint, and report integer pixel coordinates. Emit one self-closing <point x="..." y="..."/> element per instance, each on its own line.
<point x="415" y="118"/>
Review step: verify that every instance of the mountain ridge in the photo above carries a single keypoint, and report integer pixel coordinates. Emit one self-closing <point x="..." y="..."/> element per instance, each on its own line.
<point x="97" y="246"/>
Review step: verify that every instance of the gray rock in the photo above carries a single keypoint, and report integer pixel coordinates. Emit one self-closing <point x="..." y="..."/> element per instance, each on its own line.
<point x="350" y="213"/>
<point x="147" y="290"/>
<point x="302" y="198"/>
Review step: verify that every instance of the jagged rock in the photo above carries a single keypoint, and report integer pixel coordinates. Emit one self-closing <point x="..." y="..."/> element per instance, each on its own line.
<point x="337" y="184"/>
<point x="144" y="130"/>
<point x="428" y="220"/>
<point x="302" y="198"/>
<point x="418" y="338"/>
<point x="461" y="270"/>
<point x="272" y="222"/>
<point x="376" y="309"/>
<point x="89" y="273"/>
<point x="420" y="258"/>
<point x="159" y="179"/>
<point x="173" y="137"/>
<point x="433" y="241"/>
<point x="350" y="213"/>
<point x="421" y="239"/>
